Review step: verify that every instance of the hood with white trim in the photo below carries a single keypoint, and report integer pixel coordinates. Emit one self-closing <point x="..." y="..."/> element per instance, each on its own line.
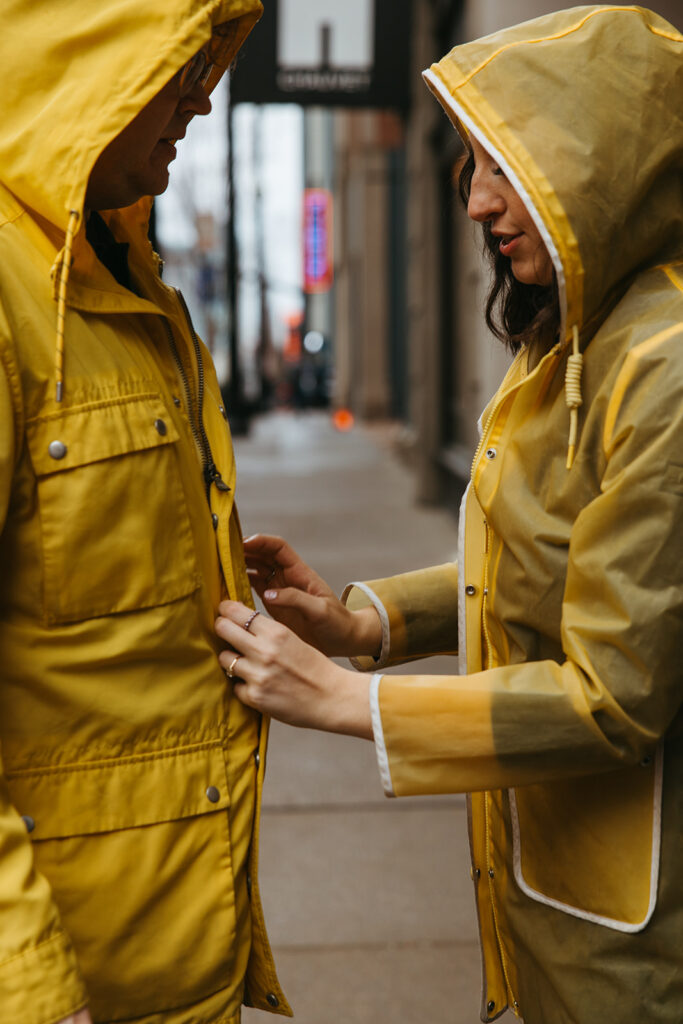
<point x="582" y="110"/>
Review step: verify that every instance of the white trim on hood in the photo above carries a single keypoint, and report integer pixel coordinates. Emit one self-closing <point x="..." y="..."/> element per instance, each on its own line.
<point x="451" y="104"/>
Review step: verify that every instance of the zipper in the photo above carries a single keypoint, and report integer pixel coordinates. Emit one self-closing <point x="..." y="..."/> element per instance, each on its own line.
<point x="195" y="411"/>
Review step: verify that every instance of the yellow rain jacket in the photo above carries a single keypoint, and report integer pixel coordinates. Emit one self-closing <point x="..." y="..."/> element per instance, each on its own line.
<point x="130" y="883"/>
<point x="568" y="592"/>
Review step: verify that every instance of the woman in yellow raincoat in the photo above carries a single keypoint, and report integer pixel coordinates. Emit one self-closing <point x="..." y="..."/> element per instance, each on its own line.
<point x="566" y="603"/>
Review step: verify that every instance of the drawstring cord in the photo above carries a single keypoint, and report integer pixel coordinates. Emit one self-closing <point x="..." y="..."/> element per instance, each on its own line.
<point x="572" y="393"/>
<point x="62" y="266"/>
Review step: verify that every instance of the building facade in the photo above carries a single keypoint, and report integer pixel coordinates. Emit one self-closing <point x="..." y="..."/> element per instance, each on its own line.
<point x="410" y="339"/>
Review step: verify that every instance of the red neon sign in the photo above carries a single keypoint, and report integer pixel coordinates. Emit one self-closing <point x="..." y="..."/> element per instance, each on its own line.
<point x="318" y="259"/>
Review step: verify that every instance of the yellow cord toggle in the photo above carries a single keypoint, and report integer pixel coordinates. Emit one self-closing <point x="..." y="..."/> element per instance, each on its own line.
<point x="62" y="266"/>
<point x="572" y="392"/>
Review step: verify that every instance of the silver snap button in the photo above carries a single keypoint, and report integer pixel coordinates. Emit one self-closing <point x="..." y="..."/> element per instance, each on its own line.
<point x="647" y="760"/>
<point x="272" y="999"/>
<point x="491" y="874"/>
<point x="491" y="453"/>
<point x="257" y="758"/>
<point x="160" y="427"/>
<point x="28" y="822"/>
<point x="223" y="412"/>
<point x="490" y="1006"/>
<point x="213" y="794"/>
<point x="176" y="401"/>
<point x="57" y="449"/>
<point x="470" y="590"/>
<point x="214" y="520"/>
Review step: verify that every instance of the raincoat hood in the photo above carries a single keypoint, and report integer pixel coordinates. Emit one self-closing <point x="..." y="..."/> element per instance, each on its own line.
<point x="76" y="73"/>
<point x="582" y="111"/>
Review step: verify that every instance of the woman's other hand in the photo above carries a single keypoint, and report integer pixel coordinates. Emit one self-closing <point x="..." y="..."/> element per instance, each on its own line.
<point x="275" y="672"/>
<point x="297" y="597"/>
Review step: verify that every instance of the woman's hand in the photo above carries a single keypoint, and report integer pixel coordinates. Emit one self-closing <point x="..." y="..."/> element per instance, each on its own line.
<point x="82" y="1017"/>
<point x="277" y="673"/>
<point x="296" y="596"/>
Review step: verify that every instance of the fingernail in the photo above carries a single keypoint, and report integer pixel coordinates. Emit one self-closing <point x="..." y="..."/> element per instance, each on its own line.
<point x="270" y="595"/>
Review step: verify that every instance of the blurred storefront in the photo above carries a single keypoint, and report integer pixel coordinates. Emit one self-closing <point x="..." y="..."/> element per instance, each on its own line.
<point x="383" y="315"/>
<point x="410" y="337"/>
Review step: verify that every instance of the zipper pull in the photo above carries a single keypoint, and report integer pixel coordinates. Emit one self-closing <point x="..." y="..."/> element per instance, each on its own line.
<point x="212" y="476"/>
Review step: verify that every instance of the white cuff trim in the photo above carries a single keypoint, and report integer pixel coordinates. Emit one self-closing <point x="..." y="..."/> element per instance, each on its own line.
<point x="378" y="732"/>
<point x="384" y="619"/>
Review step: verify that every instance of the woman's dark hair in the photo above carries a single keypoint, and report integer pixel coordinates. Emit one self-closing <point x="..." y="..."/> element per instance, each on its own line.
<point x="516" y="313"/>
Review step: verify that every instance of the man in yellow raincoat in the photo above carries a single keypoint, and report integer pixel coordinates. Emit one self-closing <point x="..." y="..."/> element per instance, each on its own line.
<point x="131" y="778"/>
<point x="566" y="604"/>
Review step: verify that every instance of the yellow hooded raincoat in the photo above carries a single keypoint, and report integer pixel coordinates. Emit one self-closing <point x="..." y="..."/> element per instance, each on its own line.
<point x="130" y="883"/>
<point x="568" y="592"/>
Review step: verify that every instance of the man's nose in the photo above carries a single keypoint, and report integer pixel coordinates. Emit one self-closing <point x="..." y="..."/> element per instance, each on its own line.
<point x="484" y="202"/>
<point x="196" y="103"/>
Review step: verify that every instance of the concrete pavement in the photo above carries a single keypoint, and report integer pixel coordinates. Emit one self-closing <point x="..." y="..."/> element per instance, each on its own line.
<point x="368" y="900"/>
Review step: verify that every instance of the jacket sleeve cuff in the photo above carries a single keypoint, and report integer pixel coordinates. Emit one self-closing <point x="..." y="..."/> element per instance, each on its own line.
<point x="378" y="733"/>
<point x="355" y="597"/>
<point x="43" y="984"/>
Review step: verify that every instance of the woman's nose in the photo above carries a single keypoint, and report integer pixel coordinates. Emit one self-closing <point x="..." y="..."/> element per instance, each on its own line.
<point x="485" y="201"/>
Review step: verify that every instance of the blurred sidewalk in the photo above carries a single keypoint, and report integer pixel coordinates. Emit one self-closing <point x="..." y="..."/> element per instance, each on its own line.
<point x="368" y="900"/>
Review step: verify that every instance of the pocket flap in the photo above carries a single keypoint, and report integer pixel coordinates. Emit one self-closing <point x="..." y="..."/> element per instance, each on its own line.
<point x="105" y="796"/>
<point x="100" y="430"/>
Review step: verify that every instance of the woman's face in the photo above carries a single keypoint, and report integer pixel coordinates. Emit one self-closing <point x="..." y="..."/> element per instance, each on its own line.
<point x="493" y="199"/>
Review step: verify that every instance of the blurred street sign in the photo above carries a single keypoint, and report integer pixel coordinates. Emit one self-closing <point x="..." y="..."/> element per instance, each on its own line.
<point x="318" y="265"/>
<point x="343" y="53"/>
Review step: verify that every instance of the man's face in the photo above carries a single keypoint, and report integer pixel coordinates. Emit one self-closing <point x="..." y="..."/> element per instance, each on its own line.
<point x="135" y="163"/>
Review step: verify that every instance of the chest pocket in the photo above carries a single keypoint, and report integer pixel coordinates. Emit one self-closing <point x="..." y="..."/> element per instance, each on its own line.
<point x="115" y="529"/>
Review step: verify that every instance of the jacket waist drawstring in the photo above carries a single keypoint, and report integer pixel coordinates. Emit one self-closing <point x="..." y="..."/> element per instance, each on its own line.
<point x="61" y="269"/>
<point x="572" y="392"/>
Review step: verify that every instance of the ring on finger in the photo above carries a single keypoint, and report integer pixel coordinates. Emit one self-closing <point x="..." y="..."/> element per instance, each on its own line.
<point x="271" y="574"/>
<point x="249" y="621"/>
<point x="230" y="670"/>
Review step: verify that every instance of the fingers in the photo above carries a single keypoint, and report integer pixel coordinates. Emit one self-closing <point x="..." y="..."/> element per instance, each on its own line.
<point x="290" y="597"/>
<point x="233" y="618"/>
<point x="269" y="549"/>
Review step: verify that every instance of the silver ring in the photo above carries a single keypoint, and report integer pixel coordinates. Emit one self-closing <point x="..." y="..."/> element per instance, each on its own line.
<point x="230" y="670"/>
<point x="271" y="574"/>
<point x="249" y="621"/>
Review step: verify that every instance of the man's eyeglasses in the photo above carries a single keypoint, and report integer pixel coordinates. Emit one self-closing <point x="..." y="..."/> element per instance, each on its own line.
<point x="195" y="72"/>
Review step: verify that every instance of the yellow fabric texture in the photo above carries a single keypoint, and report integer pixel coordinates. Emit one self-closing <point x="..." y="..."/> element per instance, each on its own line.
<point x="567" y="721"/>
<point x="131" y="883"/>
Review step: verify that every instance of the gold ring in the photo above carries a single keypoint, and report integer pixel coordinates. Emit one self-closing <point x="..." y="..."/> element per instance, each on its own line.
<point x="230" y="670"/>
<point x="249" y="621"/>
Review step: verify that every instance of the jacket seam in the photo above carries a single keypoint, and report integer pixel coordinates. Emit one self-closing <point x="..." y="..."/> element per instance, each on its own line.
<point x="113" y="762"/>
<point x="59" y="937"/>
<point x="14" y="383"/>
<point x="103" y="403"/>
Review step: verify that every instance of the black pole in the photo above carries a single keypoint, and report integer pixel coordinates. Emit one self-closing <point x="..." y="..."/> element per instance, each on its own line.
<point x="233" y="393"/>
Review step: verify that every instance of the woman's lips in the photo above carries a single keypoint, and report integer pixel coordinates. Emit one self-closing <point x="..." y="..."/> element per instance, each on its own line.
<point x="508" y="243"/>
